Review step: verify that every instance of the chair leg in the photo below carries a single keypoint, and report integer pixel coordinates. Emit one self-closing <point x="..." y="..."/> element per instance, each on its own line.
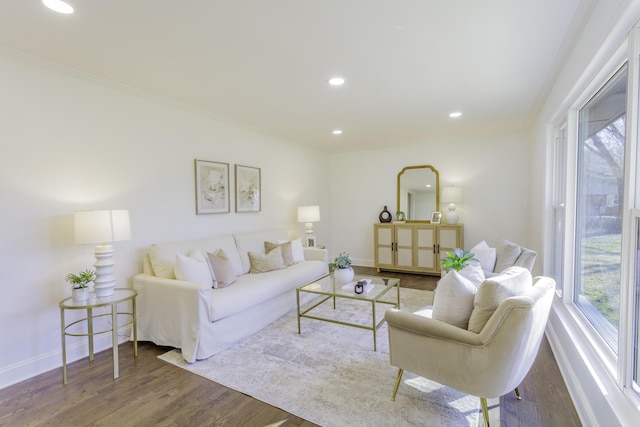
<point x="485" y="410"/>
<point x="518" y="394"/>
<point x="395" y="389"/>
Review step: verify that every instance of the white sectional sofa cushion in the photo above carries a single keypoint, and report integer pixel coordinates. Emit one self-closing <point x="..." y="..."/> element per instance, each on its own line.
<point x="201" y="320"/>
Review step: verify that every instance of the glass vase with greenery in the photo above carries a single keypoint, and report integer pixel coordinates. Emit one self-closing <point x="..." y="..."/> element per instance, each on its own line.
<point x="457" y="259"/>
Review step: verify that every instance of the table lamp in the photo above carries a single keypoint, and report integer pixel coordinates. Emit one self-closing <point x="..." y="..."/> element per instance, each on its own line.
<point x="452" y="195"/>
<point x="102" y="227"/>
<point x="309" y="215"/>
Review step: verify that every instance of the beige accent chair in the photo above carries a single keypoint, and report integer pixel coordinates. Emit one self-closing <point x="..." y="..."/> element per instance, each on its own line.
<point x="494" y="260"/>
<point x="488" y="363"/>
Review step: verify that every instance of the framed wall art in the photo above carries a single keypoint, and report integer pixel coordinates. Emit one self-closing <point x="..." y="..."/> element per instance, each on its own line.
<point x="436" y="217"/>
<point x="212" y="187"/>
<point x="248" y="198"/>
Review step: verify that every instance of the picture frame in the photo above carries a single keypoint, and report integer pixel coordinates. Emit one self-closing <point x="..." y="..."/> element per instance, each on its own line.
<point x="436" y="217"/>
<point x="311" y="241"/>
<point x="248" y="189"/>
<point x="212" y="187"/>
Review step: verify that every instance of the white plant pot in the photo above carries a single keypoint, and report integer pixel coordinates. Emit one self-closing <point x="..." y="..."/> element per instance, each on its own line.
<point x="80" y="294"/>
<point x="343" y="275"/>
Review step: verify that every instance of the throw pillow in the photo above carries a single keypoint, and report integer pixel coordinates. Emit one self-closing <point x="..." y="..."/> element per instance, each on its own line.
<point x="193" y="268"/>
<point x="223" y="272"/>
<point x="485" y="255"/>
<point x="262" y="263"/>
<point x="453" y="299"/>
<point x="162" y="262"/>
<point x="297" y="250"/>
<point x="506" y="255"/>
<point x="511" y="282"/>
<point x="474" y="273"/>
<point x="287" y="251"/>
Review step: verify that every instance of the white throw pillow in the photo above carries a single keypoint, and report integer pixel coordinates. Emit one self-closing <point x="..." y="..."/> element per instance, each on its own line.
<point x="511" y="282"/>
<point x="162" y="262"/>
<point x="223" y="272"/>
<point x="474" y="273"/>
<point x="506" y="255"/>
<point x="297" y="250"/>
<point x="453" y="299"/>
<point x="485" y="255"/>
<point x="193" y="268"/>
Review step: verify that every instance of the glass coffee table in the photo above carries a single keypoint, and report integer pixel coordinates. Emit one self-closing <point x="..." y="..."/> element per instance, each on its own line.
<point x="333" y="291"/>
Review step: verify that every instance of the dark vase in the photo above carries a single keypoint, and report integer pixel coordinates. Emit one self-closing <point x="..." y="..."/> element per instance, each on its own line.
<point x="385" y="215"/>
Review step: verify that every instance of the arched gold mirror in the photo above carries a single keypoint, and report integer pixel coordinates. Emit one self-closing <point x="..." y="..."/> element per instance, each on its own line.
<point x="418" y="192"/>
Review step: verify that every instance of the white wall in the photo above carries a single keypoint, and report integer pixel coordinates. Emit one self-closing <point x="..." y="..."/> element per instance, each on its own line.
<point x="493" y="172"/>
<point x="70" y="142"/>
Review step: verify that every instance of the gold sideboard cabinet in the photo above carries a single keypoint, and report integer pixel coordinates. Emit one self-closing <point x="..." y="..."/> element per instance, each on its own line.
<point x="414" y="247"/>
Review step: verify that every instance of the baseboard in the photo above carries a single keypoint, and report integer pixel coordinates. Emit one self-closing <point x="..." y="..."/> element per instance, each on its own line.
<point x="29" y="368"/>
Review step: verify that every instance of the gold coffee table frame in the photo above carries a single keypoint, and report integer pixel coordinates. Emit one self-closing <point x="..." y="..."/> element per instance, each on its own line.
<point x="327" y="286"/>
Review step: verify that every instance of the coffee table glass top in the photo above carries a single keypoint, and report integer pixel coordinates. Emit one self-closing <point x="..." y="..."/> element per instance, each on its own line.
<point x="326" y="285"/>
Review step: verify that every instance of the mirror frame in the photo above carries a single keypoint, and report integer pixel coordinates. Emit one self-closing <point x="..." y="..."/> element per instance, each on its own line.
<point x="435" y="171"/>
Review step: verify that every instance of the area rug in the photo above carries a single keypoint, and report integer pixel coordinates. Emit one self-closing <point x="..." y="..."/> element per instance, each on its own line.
<point x="330" y="375"/>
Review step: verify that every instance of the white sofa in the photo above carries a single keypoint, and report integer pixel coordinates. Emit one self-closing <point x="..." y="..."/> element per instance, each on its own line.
<point x="201" y="320"/>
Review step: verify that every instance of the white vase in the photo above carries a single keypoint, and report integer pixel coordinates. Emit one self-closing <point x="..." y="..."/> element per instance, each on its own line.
<point x="80" y="294"/>
<point x="343" y="275"/>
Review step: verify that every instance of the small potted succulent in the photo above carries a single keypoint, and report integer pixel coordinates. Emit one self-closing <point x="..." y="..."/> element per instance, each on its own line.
<point x="457" y="260"/>
<point x="341" y="265"/>
<point x="80" y="284"/>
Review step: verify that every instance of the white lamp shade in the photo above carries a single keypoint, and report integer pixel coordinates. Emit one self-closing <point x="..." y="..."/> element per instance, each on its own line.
<point x="308" y="213"/>
<point x="451" y="194"/>
<point x="101" y="226"/>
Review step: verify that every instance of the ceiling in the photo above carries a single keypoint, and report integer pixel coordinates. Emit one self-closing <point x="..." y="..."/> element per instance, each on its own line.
<point x="265" y="63"/>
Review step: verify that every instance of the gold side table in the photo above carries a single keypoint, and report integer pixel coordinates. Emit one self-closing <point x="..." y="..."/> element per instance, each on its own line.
<point x="120" y="295"/>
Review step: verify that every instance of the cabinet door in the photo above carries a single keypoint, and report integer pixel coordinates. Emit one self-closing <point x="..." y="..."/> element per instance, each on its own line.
<point x="404" y="246"/>
<point x="449" y="238"/>
<point x="383" y="245"/>
<point x="425" y="248"/>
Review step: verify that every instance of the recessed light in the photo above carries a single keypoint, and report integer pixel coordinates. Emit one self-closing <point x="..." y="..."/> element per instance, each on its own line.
<point x="455" y="114"/>
<point x="58" y="6"/>
<point x="337" y="132"/>
<point x="336" y="81"/>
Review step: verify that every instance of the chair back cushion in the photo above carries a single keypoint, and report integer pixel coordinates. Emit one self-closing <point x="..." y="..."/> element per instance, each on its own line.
<point x="511" y="282"/>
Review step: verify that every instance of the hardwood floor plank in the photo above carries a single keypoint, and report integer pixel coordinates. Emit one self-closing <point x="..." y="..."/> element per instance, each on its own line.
<point x="153" y="392"/>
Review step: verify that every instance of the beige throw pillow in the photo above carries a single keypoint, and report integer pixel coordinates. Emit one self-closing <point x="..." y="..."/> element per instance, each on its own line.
<point x="287" y="254"/>
<point x="223" y="272"/>
<point x="262" y="263"/>
<point x="511" y="282"/>
<point x="453" y="299"/>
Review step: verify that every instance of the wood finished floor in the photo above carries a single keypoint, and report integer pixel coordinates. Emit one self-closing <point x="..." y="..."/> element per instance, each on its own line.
<point x="151" y="392"/>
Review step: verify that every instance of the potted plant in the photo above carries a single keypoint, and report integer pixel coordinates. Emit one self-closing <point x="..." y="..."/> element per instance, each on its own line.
<point x="341" y="265"/>
<point x="457" y="260"/>
<point x="79" y="284"/>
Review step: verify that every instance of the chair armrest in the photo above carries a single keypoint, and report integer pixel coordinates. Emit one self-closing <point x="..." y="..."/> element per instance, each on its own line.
<point x="430" y="327"/>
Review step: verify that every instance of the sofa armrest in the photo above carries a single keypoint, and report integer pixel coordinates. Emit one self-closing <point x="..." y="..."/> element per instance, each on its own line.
<point x="170" y="312"/>
<point x="316" y="254"/>
<point x="427" y="326"/>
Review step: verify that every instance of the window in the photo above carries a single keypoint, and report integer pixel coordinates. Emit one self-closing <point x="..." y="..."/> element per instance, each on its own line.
<point x="636" y="315"/>
<point x="559" y="192"/>
<point x="599" y="195"/>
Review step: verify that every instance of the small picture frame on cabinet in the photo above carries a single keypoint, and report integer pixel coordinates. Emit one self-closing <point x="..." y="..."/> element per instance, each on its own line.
<point x="436" y="217"/>
<point x="311" y="241"/>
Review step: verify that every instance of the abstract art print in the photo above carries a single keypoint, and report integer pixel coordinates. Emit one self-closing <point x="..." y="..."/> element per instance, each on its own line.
<point x="248" y="197"/>
<point x="212" y="187"/>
